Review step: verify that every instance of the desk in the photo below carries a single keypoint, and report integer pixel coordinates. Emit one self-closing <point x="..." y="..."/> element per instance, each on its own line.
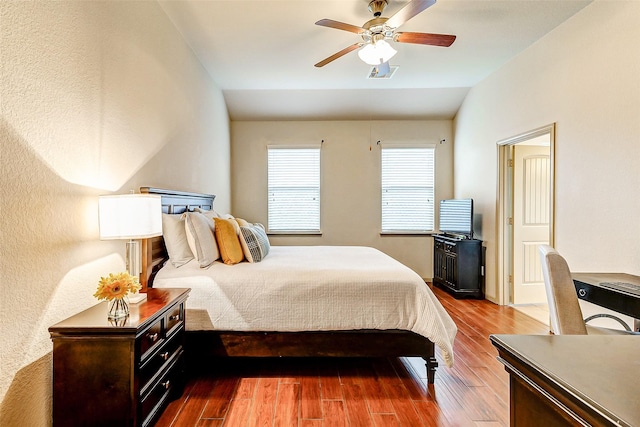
<point x="571" y="380"/>
<point x="589" y="289"/>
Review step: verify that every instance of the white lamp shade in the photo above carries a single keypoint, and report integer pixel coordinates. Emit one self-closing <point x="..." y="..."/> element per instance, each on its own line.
<point x="130" y="216"/>
<point x="378" y="53"/>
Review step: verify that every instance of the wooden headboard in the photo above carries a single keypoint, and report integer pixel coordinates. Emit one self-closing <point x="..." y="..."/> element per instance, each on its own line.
<point x="154" y="252"/>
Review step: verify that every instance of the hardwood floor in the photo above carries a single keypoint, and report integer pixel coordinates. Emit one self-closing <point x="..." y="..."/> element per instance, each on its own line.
<point x="363" y="392"/>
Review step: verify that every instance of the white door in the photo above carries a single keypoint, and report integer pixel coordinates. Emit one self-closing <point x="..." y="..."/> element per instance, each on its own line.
<point x="531" y="210"/>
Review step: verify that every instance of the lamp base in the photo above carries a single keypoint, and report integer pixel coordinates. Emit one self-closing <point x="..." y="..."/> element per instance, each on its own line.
<point x="133" y="258"/>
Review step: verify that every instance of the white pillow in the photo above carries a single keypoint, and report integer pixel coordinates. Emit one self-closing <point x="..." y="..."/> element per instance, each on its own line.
<point x="209" y="214"/>
<point x="175" y="239"/>
<point x="254" y="242"/>
<point x="201" y="238"/>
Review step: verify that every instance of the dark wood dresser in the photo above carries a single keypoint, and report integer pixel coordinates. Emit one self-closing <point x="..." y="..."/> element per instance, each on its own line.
<point x="572" y="380"/>
<point x="108" y="374"/>
<point x="458" y="266"/>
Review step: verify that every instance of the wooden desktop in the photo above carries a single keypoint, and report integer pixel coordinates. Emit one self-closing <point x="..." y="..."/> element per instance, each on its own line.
<point x="572" y="380"/>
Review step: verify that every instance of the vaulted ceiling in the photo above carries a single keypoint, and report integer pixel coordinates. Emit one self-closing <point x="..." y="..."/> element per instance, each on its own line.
<point x="262" y="54"/>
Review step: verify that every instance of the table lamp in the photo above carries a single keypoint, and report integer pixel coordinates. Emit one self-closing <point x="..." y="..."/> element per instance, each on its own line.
<point x="133" y="217"/>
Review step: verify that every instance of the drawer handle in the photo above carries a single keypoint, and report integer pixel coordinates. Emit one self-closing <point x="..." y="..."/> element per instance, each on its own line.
<point x="174" y="317"/>
<point x="166" y="385"/>
<point x="153" y="337"/>
<point x="165" y="355"/>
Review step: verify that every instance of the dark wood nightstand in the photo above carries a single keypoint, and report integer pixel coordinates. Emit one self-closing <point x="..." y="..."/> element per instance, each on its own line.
<point x="119" y="375"/>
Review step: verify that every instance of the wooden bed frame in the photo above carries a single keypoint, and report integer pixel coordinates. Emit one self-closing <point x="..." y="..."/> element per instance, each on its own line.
<point x="360" y="343"/>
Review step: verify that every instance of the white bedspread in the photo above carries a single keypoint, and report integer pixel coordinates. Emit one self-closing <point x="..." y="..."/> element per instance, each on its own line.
<point x="312" y="288"/>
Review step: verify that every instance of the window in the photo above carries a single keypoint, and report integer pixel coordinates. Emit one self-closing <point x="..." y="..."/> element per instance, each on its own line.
<point x="408" y="193"/>
<point x="294" y="189"/>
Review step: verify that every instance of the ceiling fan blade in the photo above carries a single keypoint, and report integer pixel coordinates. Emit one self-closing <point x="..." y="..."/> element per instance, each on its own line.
<point x="340" y="26"/>
<point x="408" y="12"/>
<point x="338" y="54"/>
<point x="443" y="40"/>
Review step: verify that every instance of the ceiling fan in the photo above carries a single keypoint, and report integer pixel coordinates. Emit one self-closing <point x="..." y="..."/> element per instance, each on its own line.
<point x="375" y="49"/>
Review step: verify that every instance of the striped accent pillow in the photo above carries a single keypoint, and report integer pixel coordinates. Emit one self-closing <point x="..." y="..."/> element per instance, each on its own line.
<point x="254" y="241"/>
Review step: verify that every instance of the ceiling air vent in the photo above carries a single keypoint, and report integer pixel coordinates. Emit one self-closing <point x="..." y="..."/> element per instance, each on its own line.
<point x="379" y="73"/>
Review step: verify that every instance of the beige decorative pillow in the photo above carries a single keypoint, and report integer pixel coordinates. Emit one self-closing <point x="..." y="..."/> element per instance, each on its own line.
<point x="228" y="241"/>
<point x="242" y="223"/>
<point x="175" y="239"/>
<point x="201" y="239"/>
<point x="234" y="224"/>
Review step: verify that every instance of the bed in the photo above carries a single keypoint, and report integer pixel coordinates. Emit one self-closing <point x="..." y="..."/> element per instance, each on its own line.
<point x="296" y="286"/>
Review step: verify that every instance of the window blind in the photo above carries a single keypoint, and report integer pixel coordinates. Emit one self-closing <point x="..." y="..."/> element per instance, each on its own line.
<point x="294" y="189"/>
<point x="408" y="189"/>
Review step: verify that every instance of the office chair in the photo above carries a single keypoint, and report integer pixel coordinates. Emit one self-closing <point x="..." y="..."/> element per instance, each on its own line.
<point x="564" y="308"/>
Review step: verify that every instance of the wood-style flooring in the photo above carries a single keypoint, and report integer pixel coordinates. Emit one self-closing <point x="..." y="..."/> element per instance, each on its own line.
<point x="363" y="391"/>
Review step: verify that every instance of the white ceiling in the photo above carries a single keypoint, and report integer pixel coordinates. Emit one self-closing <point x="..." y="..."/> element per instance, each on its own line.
<point x="262" y="54"/>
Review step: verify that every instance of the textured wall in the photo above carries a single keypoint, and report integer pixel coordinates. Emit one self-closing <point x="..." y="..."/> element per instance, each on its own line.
<point x="584" y="77"/>
<point x="96" y="97"/>
<point x="350" y="179"/>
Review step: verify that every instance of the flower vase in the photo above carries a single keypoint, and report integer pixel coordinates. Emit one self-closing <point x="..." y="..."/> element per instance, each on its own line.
<point x="118" y="308"/>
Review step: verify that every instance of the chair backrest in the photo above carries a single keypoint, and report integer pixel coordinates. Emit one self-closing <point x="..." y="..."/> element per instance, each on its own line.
<point x="564" y="309"/>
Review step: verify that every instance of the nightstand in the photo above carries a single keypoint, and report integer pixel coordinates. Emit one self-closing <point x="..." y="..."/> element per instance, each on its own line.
<point x="119" y="375"/>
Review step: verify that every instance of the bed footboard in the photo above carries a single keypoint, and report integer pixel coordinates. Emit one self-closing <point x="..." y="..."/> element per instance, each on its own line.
<point x="202" y="345"/>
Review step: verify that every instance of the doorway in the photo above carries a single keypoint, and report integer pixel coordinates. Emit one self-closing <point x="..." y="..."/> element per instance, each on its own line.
<point x="525" y="213"/>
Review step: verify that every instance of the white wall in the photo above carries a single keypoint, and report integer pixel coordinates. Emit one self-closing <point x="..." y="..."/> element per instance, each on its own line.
<point x="584" y="77"/>
<point x="96" y="97"/>
<point x="350" y="174"/>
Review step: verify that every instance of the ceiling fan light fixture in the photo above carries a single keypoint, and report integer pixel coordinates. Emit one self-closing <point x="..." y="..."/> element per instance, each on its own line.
<point x="377" y="53"/>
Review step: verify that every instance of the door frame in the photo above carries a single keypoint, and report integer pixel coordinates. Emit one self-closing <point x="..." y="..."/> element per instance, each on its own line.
<point x="504" y="236"/>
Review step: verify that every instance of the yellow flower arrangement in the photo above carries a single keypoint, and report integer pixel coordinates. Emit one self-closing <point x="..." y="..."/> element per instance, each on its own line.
<point x="117" y="286"/>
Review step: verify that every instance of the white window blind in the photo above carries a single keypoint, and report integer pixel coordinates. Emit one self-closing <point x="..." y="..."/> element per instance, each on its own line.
<point x="408" y="178"/>
<point x="294" y="189"/>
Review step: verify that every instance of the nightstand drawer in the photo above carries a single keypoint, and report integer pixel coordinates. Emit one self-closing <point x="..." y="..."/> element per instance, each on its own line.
<point x="170" y="380"/>
<point x="175" y="319"/>
<point x="152" y="338"/>
<point x="156" y="362"/>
